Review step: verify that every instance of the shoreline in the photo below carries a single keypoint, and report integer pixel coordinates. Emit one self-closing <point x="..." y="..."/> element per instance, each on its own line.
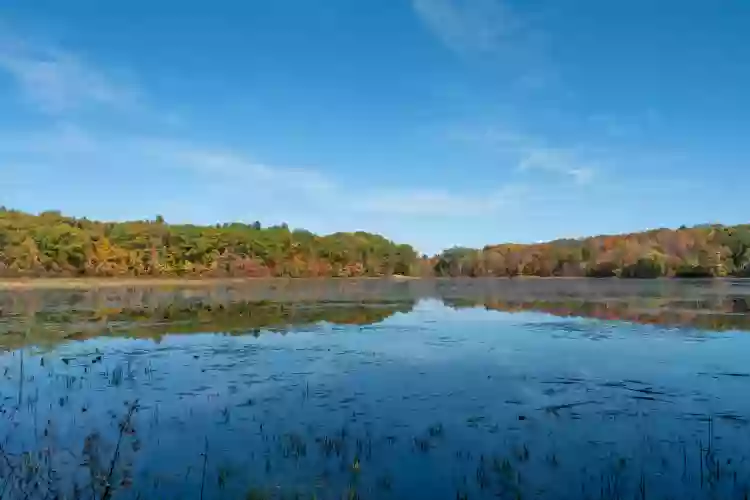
<point x="91" y="283"/>
<point x="10" y="284"/>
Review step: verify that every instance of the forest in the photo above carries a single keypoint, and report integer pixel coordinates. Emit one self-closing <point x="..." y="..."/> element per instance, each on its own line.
<point x="698" y="252"/>
<point x="51" y="244"/>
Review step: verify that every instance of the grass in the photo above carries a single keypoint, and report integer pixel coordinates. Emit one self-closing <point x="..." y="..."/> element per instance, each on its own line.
<point x="351" y="464"/>
<point x="308" y="455"/>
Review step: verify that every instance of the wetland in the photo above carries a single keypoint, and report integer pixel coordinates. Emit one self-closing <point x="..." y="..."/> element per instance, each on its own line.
<point x="453" y="388"/>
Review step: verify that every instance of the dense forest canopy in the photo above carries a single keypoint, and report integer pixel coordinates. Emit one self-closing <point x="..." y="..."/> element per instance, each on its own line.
<point x="51" y="244"/>
<point x="698" y="252"/>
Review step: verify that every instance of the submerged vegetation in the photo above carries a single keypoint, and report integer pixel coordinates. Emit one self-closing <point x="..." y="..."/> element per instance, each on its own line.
<point x="53" y="245"/>
<point x="99" y="400"/>
<point x="350" y="463"/>
<point x="351" y="412"/>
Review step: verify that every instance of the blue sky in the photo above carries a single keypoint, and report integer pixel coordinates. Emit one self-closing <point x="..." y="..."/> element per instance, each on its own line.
<point x="433" y="122"/>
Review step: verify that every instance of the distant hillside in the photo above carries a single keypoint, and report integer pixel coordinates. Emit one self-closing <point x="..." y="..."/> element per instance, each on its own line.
<point x="701" y="251"/>
<point x="51" y="244"/>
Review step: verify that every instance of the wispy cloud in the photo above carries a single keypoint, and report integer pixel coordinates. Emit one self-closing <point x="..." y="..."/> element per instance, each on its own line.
<point x="60" y="140"/>
<point x="236" y="174"/>
<point x="559" y="161"/>
<point x="481" y="25"/>
<point x="56" y="80"/>
<point x="235" y="166"/>
<point x="187" y="179"/>
<point x="496" y="31"/>
<point x="433" y="203"/>
<point x="65" y="144"/>
<point x="533" y="153"/>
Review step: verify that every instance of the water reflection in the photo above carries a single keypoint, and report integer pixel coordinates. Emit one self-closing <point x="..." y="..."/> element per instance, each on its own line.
<point x="726" y="313"/>
<point x="46" y="328"/>
<point x="425" y="395"/>
<point x="46" y="318"/>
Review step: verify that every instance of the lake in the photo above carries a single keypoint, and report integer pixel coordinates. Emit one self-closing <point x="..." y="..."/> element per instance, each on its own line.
<point x="418" y="389"/>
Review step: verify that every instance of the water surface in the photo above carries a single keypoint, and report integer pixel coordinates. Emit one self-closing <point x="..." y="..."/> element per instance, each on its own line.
<point x="374" y="389"/>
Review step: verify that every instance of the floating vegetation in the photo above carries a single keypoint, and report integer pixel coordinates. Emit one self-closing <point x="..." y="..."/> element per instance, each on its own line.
<point x="431" y="403"/>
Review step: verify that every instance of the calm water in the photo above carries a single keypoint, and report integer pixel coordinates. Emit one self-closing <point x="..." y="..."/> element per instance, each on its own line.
<point x="371" y="389"/>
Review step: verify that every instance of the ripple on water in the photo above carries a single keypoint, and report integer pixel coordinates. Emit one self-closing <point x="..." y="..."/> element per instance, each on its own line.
<point x="439" y="402"/>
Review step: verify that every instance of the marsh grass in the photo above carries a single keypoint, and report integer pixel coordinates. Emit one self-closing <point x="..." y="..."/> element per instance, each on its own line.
<point x="297" y="440"/>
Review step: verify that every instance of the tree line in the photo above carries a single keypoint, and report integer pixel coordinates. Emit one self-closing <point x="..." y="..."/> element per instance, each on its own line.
<point x="52" y="244"/>
<point x="698" y="252"/>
